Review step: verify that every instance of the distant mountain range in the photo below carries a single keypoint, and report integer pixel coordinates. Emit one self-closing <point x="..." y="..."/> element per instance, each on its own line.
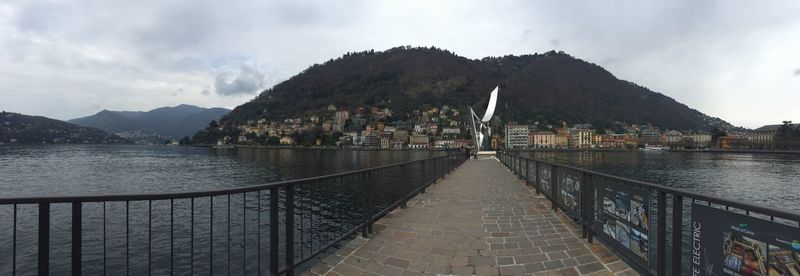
<point x="24" y="129"/>
<point x="165" y="122"/>
<point x="549" y="88"/>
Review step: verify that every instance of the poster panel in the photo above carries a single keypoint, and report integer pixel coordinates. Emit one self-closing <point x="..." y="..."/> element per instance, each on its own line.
<point x="623" y="219"/>
<point x="569" y="192"/>
<point x="544" y="179"/>
<point x="727" y="243"/>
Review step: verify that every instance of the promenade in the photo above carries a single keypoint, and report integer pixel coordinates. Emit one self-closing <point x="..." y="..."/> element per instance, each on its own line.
<point x="478" y="220"/>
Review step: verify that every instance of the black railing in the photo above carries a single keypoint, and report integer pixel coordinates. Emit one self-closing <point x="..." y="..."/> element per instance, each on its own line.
<point x="583" y="196"/>
<point x="237" y="231"/>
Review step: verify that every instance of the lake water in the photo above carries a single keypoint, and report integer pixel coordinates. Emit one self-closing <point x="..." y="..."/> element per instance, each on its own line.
<point x="112" y="169"/>
<point x="107" y="169"/>
<point x="762" y="179"/>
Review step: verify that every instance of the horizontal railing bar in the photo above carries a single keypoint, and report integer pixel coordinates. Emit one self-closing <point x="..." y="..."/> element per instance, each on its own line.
<point x="683" y="193"/>
<point x="196" y="194"/>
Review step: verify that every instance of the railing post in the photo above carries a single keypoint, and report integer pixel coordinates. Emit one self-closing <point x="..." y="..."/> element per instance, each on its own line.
<point x="554" y="186"/>
<point x="527" y="165"/>
<point x="538" y="179"/>
<point x="289" y="230"/>
<point x="76" y="238"/>
<point x="661" y="247"/>
<point x="44" y="239"/>
<point x="364" y="205"/>
<point x="273" y="231"/>
<point x="677" y="233"/>
<point x="371" y="184"/>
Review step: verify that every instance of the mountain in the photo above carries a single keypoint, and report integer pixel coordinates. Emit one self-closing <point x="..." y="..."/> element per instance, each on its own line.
<point x="175" y="122"/>
<point x="19" y="128"/>
<point x="552" y="87"/>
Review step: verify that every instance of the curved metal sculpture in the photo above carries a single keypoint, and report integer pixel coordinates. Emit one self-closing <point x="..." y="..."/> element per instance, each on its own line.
<point x="482" y="129"/>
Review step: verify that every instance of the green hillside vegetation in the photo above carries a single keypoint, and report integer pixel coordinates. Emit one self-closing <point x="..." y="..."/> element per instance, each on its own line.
<point x="24" y="129"/>
<point x="549" y="88"/>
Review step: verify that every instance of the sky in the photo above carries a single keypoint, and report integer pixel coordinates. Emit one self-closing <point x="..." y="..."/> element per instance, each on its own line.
<point x="737" y="60"/>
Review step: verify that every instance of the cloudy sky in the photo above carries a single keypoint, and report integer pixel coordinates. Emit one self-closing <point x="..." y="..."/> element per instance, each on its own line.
<point x="738" y="60"/>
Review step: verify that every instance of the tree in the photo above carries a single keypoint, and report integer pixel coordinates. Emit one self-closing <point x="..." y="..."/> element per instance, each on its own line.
<point x="185" y="141"/>
<point x="716" y="133"/>
<point x="273" y="140"/>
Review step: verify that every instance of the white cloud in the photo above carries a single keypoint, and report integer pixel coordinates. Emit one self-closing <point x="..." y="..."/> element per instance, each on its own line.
<point x="249" y="81"/>
<point x="66" y="59"/>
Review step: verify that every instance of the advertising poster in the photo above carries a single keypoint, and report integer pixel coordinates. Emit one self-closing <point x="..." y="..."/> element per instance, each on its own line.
<point x="570" y="193"/>
<point x="726" y="243"/>
<point x="624" y="219"/>
<point x="544" y="180"/>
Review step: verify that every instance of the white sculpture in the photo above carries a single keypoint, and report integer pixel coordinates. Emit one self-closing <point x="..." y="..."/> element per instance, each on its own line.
<point x="482" y="129"/>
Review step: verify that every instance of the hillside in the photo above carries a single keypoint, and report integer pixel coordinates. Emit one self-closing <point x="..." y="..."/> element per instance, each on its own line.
<point x="24" y="129"/>
<point x="548" y="88"/>
<point x="165" y="122"/>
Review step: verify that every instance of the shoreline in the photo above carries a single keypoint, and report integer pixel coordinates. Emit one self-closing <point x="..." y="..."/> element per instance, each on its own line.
<point x="740" y="151"/>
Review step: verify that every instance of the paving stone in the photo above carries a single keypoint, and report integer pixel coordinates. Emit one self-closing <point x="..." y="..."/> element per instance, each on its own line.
<point x="591" y="267"/>
<point x="400" y="263"/>
<point x="346" y="269"/>
<point x="480" y="219"/>
<point x="487" y="270"/>
<point x="505" y="261"/>
<point x="512" y="270"/>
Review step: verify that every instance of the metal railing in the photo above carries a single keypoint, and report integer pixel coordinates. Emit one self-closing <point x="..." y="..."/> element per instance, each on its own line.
<point x="579" y="193"/>
<point x="271" y="228"/>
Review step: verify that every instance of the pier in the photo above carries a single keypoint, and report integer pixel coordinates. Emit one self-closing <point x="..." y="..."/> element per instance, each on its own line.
<point x="480" y="219"/>
<point x="443" y="215"/>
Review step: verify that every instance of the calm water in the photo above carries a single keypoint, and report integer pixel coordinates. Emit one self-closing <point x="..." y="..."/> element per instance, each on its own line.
<point x="763" y="179"/>
<point x="98" y="169"/>
<point x="102" y="169"/>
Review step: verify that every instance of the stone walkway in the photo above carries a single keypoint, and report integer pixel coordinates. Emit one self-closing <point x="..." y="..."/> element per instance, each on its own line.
<point x="478" y="220"/>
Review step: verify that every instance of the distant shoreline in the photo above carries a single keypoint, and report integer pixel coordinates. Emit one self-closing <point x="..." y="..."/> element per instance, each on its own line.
<point x="329" y="148"/>
<point x="741" y="151"/>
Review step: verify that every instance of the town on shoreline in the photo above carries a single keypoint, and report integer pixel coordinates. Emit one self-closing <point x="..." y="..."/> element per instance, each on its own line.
<point x="443" y="127"/>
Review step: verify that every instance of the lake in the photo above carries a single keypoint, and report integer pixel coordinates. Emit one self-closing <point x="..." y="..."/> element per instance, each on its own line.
<point x="759" y="178"/>
<point x="50" y="170"/>
<point x="105" y="169"/>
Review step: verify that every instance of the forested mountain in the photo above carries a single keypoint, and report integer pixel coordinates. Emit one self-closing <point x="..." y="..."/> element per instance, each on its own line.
<point x="553" y="87"/>
<point x="24" y="129"/>
<point x="175" y="122"/>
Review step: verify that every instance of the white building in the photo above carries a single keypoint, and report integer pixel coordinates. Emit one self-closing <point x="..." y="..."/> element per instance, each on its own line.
<point x="517" y="136"/>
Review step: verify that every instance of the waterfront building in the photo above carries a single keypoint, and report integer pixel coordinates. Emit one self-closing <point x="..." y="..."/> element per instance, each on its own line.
<point x="401" y="135"/>
<point x="543" y="139"/>
<point x="700" y="139"/>
<point x="673" y="137"/>
<point x="371" y="141"/>
<point x="451" y="130"/>
<point x="419" y="141"/>
<point x="597" y="140"/>
<point x="287" y="140"/>
<point x="580" y="138"/>
<point x="729" y="141"/>
<point x="496" y="142"/>
<point x="445" y="144"/>
<point x="561" y="139"/>
<point x="432" y="128"/>
<point x="358" y="140"/>
<point x="650" y="136"/>
<point x="765" y="135"/>
<point x="516" y="136"/>
<point x="339" y="120"/>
